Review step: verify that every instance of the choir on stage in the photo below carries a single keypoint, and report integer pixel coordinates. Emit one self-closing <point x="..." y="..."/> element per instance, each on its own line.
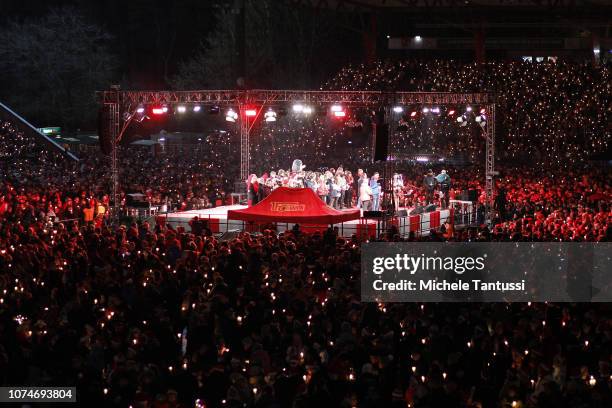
<point x="340" y="189"/>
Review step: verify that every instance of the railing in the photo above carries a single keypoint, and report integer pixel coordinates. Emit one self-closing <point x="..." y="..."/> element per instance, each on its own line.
<point x="365" y="228"/>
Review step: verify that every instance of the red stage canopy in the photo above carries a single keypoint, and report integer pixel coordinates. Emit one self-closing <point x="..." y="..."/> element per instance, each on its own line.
<point x="296" y="205"/>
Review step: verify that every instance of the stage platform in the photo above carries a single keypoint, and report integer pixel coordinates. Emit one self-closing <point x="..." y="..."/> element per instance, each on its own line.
<point x="420" y="224"/>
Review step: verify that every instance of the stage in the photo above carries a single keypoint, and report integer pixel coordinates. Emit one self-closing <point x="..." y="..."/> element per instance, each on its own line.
<point x="419" y="224"/>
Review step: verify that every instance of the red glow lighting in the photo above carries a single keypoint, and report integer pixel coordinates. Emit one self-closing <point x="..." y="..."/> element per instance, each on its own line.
<point x="158" y="110"/>
<point x="251" y="112"/>
<point x="413" y="114"/>
<point x="451" y="112"/>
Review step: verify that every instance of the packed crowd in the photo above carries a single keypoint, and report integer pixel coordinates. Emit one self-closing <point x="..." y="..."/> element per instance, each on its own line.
<point x="39" y="184"/>
<point x="153" y="316"/>
<point x="548" y="112"/>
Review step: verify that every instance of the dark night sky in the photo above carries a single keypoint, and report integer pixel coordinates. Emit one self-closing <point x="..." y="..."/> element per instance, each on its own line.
<point x="142" y="30"/>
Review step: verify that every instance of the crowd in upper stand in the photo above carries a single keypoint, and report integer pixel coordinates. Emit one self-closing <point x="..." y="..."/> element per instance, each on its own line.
<point x="549" y="112"/>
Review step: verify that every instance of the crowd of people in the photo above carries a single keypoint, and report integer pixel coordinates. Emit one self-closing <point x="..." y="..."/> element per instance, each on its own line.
<point x="547" y="112"/>
<point x="146" y="315"/>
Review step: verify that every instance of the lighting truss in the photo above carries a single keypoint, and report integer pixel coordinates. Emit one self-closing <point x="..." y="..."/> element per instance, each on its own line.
<point x="126" y="101"/>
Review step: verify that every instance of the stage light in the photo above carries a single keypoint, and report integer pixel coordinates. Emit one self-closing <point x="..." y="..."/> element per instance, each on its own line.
<point x="462" y="120"/>
<point x="297" y="108"/>
<point x="451" y="112"/>
<point x="270" y="116"/>
<point x="214" y="110"/>
<point x="197" y="108"/>
<point x="435" y="110"/>
<point x="339" y="114"/>
<point x="426" y="110"/>
<point x="336" y="108"/>
<point x="422" y="159"/>
<point x="398" y="109"/>
<point x="231" y="115"/>
<point x="250" y="112"/>
<point x="158" y="110"/>
<point x="468" y="109"/>
<point x="483" y="111"/>
<point x="413" y="114"/>
<point x="481" y="118"/>
<point x="307" y="110"/>
<point x="140" y="109"/>
<point x="181" y="109"/>
<point x="418" y="38"/>
<point x="165" y="108"/>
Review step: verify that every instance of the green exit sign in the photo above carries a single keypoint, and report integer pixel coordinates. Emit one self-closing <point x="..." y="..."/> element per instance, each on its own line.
<point x="50" y="131"/>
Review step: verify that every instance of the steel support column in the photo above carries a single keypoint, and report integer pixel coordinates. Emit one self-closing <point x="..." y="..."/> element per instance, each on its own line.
<point x="245" y="153"/>
<point x="490" y="163"/>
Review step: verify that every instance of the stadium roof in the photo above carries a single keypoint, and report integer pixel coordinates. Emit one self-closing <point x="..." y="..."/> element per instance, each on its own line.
<point x="408" y="4"/>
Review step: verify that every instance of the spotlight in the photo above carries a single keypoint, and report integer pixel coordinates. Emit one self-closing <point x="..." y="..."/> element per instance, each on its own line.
<point x="214" y="110"/>
<point x="418" y="38"/>
<point x="336" y="108"/>
<point x="451" y="112"/>
<point x="468" y="109"/>
<point x="422" y="159"/>
<point x="140" y="109"/>
<point x="425" y="109"/>
<point x="483" y="111"/>
<point x="181" y="109"/>
<point x="307" y="110"/>
<point x="158" y="110"/>
<point x="462" y="120"/>
<point x="398" y="109"/>
<point x="481" y="120"/>
<point x="165" y="108"/>
<point x="197" y="108"/>
<point x="413" y="114"/>
<point x="270" y="116"/>
<point x="231" y="115"/>
<point x="435" y="110"/>
<point x="297" y="108"/>
<point x="339" y="114"/>
<point x="250" y="112"/>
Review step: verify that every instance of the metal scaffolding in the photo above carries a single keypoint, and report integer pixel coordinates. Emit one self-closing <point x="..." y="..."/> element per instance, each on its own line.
<point x="125" y="101"/>
<point x="490" y="173"/>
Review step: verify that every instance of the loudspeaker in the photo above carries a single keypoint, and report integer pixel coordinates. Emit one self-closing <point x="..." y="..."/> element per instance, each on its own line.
<point x="373" y="214"/>
<point x="104" y="132"/>
<point x="380" y="135"/>
<point x="417" y="210"/>
<point x="430" y="208"/>
<point x="472" y="195"/>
